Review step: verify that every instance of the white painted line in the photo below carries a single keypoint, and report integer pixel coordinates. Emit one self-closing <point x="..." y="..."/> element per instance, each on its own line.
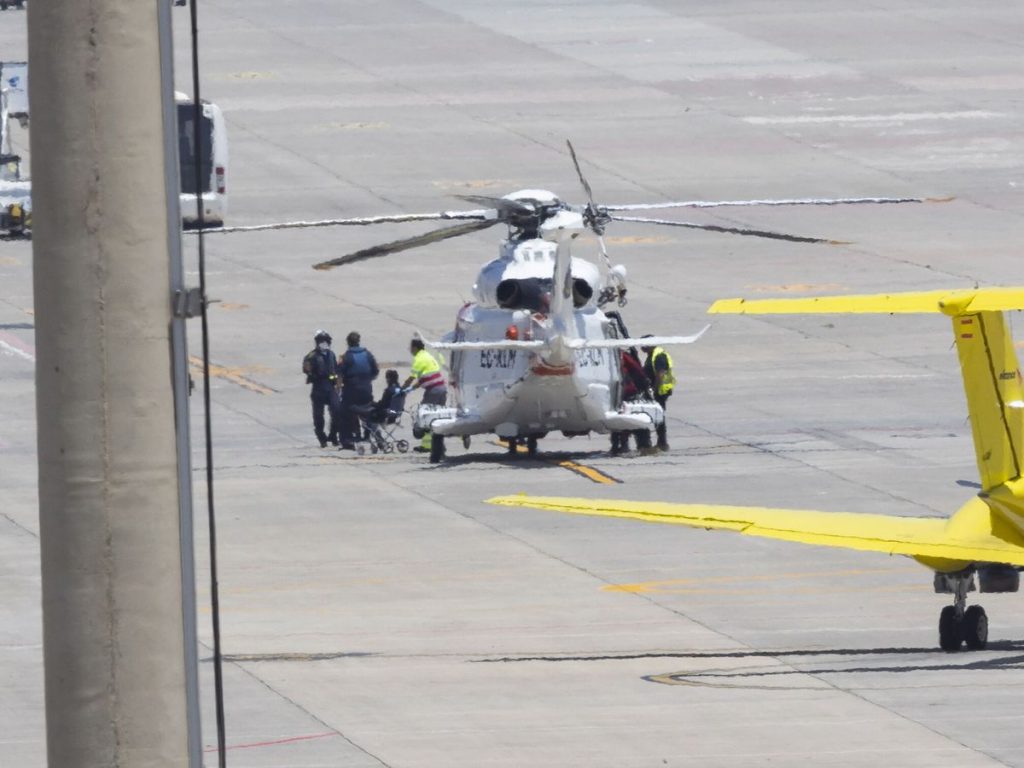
<point x="899" y="117"/>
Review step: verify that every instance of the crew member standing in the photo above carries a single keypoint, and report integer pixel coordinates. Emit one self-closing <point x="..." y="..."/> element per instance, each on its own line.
<point x="321" y="369"/>
<point x="358" y="369"/>
<point x="635" y="386"/>
<point x="426" y="374"/>
<point x="658" y="368"/>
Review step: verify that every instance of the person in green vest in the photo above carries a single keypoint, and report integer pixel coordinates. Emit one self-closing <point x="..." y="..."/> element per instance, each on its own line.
<point x="658" y="368"/>
<point x="426" y="374"/>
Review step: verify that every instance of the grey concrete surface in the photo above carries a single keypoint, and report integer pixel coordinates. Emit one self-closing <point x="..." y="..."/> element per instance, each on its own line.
<point x="375" y="612"/>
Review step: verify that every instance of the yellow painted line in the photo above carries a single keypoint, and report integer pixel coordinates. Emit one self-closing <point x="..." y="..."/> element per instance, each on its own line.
<point x="595" y="475"/>
<point x="356" y="126"/>
<point x="668" y="586"/>
<point x="589" y="472"/>
<point x="234" y="375"/>
<point x="470" y="184"/>
<point x="797" y="288"/>
<point x="251" y="75"/>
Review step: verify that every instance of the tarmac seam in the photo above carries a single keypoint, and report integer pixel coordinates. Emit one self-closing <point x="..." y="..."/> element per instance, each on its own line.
<point x="308" y="713"/>
<point x="18" y="525"/>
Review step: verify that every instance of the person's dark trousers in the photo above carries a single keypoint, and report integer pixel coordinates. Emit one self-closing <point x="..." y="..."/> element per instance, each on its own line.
<point x="324" y="398"/>
<point x="662" y="400"/>
<point x="349" y="430"/>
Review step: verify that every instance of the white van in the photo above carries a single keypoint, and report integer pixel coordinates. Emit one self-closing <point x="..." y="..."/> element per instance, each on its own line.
<point x="213" y="174"/>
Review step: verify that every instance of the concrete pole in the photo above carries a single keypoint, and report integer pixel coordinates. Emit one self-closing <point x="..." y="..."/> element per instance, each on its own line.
<point x="108" y="484"/>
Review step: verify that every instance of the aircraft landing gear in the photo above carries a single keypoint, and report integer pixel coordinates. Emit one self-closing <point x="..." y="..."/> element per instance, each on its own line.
<point x="436" y="448"/>
<point x="959" y="624"/>
<point x="531" y="446"/>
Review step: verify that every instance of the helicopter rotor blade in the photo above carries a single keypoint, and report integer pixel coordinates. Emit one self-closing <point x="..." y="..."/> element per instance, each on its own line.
<point x="579" y="172"/>
<point x="502" y="205"/>
<point x="731" y="230"/>
<point x="362" y="221"/>
<point x="405" y="244"/>
<point x="797" y="201"/>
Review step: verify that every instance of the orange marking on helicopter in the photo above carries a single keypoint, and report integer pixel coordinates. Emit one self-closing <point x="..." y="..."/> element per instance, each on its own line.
<point x="543" y="369"/>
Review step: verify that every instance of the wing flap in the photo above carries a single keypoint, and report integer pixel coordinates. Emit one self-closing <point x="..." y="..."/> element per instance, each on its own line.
<point x="922" y="537"/>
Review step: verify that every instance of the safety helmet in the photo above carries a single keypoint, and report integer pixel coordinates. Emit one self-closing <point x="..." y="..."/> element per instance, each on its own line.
<point x="321" y="335"/>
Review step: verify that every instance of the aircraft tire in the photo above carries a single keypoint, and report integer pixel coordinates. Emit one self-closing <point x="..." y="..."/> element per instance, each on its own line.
<point x="975" y="628"/>
<point x="531" y="446"/>
<point x="436" y="449"/>
<point x="950" y="636"/>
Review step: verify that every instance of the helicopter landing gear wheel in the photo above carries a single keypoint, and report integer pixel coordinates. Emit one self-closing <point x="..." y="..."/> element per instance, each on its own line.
<point x="436" y="449"/>
<point x="531" y="446"/>
<point x="402" y="446"/>
<point x="949" y="630"/>
<point x="974" y="628"/>
<point x="512" y="445"/>
<point x="466" y="441"/>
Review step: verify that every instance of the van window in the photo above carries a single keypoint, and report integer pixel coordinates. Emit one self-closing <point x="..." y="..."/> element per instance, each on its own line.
<point x="187" y="149"/>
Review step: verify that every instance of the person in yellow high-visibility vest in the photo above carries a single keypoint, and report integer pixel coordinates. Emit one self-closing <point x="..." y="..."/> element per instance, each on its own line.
<point x="659" y="370"/>
<point x="426" y="374"/>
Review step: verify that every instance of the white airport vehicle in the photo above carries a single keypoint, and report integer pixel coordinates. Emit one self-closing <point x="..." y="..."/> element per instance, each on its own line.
<point x="213" y="155"/>
<point x="15" y="192"/>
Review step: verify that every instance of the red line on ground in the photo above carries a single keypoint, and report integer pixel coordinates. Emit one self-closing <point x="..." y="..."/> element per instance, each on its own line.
<point x="271" y="743"/>
<point x="11" y="340"/>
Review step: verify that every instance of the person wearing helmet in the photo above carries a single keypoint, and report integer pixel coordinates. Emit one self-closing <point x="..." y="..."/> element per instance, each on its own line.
<point x="321" y="368"/>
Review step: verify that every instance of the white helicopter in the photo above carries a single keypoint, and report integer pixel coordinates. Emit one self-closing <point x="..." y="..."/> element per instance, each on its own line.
<point x="536" y="352"/>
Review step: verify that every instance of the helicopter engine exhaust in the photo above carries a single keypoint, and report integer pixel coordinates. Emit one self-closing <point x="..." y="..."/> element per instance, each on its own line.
<point x="582" y="292"/>
<point x="527" y="293"/>
<point x="534" y="293"/>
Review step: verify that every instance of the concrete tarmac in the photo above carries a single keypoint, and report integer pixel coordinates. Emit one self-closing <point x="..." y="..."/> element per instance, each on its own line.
<point x="375" y="612"/>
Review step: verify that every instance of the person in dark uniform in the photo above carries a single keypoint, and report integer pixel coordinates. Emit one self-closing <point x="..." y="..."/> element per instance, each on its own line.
<point x="321" y="369"/>
<point x="358" y="369"/>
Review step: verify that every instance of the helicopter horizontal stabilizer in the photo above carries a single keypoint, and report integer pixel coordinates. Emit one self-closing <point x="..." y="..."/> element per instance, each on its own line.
<point x="498" y="344"/>
<point x="646" y="341"/>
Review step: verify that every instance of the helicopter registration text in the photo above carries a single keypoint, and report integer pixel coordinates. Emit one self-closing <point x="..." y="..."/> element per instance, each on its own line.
<point x="497" y="358"/>
<point x="591" y="358"/>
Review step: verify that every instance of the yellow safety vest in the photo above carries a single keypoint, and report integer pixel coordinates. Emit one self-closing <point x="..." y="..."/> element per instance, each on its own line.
<point x="427" y="370"/>
<point x="668" y="380"/>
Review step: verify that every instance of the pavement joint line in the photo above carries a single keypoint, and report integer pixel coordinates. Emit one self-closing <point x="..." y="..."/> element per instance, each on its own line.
<point x="18" y="525"/>
<point x="306" y="711"/>
<point x="790" y="456"/>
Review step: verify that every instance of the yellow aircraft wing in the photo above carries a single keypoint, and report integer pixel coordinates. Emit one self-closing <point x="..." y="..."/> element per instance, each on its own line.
<point x="955" y="302"/>
<point x="926" y="538"/>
